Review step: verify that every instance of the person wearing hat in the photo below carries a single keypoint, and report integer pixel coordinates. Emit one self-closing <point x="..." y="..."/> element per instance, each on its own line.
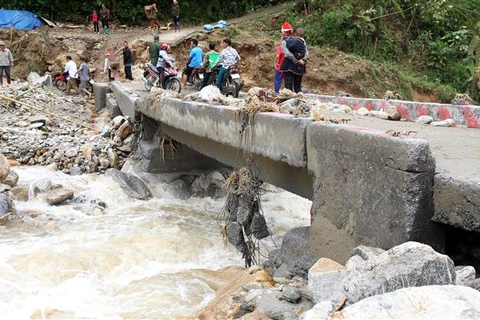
<point x="286" y="32"/>
<point x="6" y="62"/>
<point x="294" y="64"/>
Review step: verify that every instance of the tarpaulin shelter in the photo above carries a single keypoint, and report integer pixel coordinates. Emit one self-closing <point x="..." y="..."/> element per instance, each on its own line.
<point x="25" y="20"/>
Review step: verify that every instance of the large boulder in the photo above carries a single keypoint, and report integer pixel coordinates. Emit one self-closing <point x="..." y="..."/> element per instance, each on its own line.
<point x="6" y="207"/>
<point x="131" y="184"/>
<point x="294" y="257"/>
<point x="4" y="167"/>
<point x="325" y="281"/>
<point x="12" y="179"/>
<point x="410" y="264"/>
<point x="429" y="302"/>
<point x="59" y="195"/>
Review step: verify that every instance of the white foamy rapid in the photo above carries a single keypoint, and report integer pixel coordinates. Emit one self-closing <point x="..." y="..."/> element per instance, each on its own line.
<point x="141" y="259"/>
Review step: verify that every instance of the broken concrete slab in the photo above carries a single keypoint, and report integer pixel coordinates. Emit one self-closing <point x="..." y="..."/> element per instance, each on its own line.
<point x="370" y="189"/>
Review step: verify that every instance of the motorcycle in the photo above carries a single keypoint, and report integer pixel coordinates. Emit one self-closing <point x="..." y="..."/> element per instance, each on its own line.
<point x="170" y="80"/>
<point x="231" y="83"/>
<point x="61" y="82"/>
<point x="196" y="78"/>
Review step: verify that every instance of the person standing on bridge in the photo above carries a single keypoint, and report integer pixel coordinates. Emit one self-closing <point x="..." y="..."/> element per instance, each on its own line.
<point x="286" y="32"/>
<point x="176" y="16"/>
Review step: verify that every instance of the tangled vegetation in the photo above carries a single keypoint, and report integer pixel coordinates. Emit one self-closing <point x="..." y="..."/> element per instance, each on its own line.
<point x="131" y="11"/>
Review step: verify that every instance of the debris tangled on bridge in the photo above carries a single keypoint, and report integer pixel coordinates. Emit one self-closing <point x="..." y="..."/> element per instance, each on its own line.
<point x="241" y="219"/>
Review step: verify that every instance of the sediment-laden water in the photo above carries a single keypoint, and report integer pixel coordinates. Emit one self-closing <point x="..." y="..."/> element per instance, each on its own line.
<point x="140" y="259"/>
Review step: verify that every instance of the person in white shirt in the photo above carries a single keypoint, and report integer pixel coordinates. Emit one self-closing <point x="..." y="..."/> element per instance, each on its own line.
<point x="71" y="71"/>
<point x="6" y="63"/>
<point x="227" y="59"/>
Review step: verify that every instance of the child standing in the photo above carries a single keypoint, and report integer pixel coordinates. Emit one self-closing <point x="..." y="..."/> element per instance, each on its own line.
<point x="95" y="22"/>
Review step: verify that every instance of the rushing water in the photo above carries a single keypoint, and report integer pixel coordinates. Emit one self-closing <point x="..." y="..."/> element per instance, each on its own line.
<point x="141" y="259"/>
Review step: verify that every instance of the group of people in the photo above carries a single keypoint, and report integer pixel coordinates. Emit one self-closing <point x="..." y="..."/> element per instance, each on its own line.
<point x="291" y="61"/>
<point x="72" y="73"/>
<point x="111" y="66"/>
<point x="151" y="12"/>
<point x="104" y="19"/>
<point x="227" y="58"/>
<point x="82" y="73"/>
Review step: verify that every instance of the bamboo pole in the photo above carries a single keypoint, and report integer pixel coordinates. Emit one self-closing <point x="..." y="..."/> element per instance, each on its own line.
<point x="49" y="113"/>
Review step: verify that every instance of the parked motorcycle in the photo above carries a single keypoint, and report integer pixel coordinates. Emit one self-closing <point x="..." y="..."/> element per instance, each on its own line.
<point x="231" y="83"/>
<point x="61" y="82"/>
<point x="170" y="80"/>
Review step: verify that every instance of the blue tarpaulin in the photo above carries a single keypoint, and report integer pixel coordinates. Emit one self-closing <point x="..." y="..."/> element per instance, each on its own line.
<point x="220" y="24"/>
<point x="21" y="19"/>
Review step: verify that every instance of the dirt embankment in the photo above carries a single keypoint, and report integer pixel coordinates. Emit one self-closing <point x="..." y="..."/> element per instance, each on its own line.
<point x="328" y="71"/>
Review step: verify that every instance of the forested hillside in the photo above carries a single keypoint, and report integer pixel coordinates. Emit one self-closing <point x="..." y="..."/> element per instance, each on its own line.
<point x="131" y="11"/>
<point x="431" y="41"/>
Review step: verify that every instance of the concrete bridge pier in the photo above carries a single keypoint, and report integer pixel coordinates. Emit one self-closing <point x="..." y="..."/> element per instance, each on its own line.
<point x="369" y="189"/>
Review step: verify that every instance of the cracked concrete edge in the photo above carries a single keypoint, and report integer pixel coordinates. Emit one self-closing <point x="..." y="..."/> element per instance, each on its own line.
<point x="278" y="136"/>
<point x="370" y="189"/>
<point x="457" y="203"/>
<point x="125" y="97"/>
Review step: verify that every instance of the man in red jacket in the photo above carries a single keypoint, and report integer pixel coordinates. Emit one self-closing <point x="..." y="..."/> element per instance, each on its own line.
<point x="286" y="31"/>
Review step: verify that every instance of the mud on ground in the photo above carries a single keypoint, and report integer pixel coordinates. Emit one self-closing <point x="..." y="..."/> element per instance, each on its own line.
<point x="328" y="71"/>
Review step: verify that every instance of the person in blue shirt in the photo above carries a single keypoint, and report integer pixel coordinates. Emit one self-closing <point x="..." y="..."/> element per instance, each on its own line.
<point x="194" y="61"/>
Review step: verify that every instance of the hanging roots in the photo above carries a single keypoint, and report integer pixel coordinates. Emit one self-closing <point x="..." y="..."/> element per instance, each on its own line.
<point x="241" y="219"/>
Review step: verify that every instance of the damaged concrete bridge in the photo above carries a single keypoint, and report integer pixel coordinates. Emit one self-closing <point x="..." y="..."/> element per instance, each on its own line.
<point x="367" y="187"/>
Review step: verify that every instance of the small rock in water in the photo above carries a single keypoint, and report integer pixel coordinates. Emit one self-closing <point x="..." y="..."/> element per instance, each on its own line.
<point x="4" y="167"/>
<point x="75" y="171"/>
<point x="59" y="195"/>
<point x="12" y="179"/>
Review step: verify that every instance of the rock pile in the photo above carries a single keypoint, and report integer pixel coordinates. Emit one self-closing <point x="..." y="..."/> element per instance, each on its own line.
<point x="265" y="100"/>
<point x="408" y="281"/>
<point x="40" y="127"/>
